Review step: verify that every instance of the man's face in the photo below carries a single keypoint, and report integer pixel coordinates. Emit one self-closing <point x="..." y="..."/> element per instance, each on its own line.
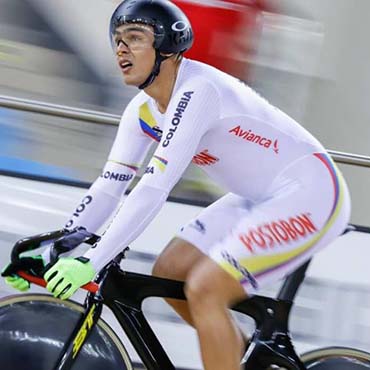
<point x="135" y="52"/>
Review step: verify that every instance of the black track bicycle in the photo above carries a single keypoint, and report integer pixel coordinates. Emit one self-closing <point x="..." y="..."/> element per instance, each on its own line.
<point x="39" y="332"/>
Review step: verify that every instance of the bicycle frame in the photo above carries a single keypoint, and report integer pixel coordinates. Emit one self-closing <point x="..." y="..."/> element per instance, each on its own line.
<point x="124" y="292"/>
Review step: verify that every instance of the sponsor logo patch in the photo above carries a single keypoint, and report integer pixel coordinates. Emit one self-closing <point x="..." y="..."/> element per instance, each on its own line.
<point x="199" y="226"/>
<point x="80" y="208"/>
<point x="83" y="332"/>
<point x="117" y="176"/>
<point x="204" y="158"/>
<point x="148" y="124"/>
<point x="252" y="137"/>
<point x="278" y="233"/>
<point x="182" y="32"/>
<point x="176" y="119"/>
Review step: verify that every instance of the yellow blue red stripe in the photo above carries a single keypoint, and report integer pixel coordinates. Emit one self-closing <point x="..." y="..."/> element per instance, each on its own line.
<point x="261" y="265"/>
<point x="148" y="123"/>
<point x="160" y="162"/>
<point x="264" y="264"/>
<point x="131" y="166"/>
<point x="333" y="173"/>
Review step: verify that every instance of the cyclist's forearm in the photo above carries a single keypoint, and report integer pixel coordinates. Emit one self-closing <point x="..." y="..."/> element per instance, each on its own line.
<point x="139" y="209"/>
<point x="103" y="197"/>
<point x="101" y="200"/>
<point x="94" y="209"/>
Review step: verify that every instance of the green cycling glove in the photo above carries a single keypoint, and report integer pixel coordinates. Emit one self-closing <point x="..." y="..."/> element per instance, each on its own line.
<point x="34" y="265"/>
<point x="67" y="275"/>
<point x="18" y="283"/>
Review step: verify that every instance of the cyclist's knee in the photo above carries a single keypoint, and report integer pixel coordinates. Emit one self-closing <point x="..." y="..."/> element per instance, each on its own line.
<point x="208" y="286"/>
<point x="199" y="290"/>
<point x="161" y="268"/>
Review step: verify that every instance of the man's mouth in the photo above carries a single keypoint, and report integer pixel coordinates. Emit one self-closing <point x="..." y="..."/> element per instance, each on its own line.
<point x="125" y="65"/>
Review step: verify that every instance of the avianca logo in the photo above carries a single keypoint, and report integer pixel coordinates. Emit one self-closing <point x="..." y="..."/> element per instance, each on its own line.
<point x="204" y="158"/>
<point x="270" y="235"/>
<point x="249" y="135"/>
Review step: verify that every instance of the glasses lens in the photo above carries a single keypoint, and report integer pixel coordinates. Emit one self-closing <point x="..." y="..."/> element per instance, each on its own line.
<point x="134" y="36"/>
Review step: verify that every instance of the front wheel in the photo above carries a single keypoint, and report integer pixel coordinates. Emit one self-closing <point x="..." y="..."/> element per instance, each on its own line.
<point x="34" y="328"/>
<point x="336" y="358"/>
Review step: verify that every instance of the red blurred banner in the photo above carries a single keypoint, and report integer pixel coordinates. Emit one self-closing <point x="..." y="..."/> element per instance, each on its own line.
<point x="225" y="32"/>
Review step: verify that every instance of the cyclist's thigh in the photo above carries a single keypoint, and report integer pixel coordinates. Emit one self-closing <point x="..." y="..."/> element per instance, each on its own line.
<point x="177" y="259"/>
<point x="195" y="239"/>
<point x="279" y="234"/>
<point x="215" y="222"/>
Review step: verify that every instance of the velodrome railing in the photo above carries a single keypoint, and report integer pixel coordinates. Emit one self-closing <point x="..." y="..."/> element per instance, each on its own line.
<point x="313" y="290"/>
<point x="111" y="119"/>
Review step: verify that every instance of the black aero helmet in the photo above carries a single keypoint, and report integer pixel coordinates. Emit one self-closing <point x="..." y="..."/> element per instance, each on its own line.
<point x="172" y="30"/>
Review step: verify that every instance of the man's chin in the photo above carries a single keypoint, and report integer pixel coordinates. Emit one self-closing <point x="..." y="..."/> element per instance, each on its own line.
<point x="131" y="81"/>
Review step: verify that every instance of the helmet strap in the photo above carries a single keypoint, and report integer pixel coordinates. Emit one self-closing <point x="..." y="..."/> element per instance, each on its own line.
<point x="159" y="58"/>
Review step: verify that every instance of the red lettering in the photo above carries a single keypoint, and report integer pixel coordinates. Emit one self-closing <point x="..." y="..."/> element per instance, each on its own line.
<point x="307" y="223"/>
<point x="246" y="241"/>
<point x="269" y="228"/>
<point x="270" y="240"/>
<point x="257" y="139"/>
<point x="258" y="239"/>
<point x="289" y="229"/>
<point x="244" y="134"/>
<point x="277" y="232"/>
<point x="235" y="130"/>
<point x="298" y="227"/>
<point x="254" y="138"/>
<point x="280" y="231"/>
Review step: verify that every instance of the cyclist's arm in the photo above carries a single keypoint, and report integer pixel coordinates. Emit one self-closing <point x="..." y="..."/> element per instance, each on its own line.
<point x="126" y="156"/>
<point x="179" y="142"/>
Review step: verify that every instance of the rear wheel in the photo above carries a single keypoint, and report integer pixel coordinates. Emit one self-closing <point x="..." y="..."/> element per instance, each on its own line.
<point x="336" y="358"/>
<point x="34" y="328"/>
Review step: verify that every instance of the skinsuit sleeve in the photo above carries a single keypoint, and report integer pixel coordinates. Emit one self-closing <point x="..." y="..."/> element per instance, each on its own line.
<point x="190" y="114"/>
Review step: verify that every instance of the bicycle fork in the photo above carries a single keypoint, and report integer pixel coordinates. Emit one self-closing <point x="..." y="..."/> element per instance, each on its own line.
<point x="78" y="337"/>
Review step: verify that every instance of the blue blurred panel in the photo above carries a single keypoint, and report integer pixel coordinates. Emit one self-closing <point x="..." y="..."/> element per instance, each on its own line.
<point x="28" y="167"/>
<point x="14" y="150"/>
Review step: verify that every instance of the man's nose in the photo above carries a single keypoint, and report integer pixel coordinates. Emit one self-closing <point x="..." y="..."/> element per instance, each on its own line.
<point x="122" y="48"/>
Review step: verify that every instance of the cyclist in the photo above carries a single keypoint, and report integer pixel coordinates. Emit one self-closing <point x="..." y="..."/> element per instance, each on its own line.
<point x="286" y="200"/>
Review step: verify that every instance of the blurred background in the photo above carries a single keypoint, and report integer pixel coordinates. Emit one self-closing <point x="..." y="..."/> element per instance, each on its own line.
<point x="309" y="58"/>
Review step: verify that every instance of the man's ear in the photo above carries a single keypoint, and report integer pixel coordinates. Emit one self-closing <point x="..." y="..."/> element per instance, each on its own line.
<point x="175" y="56"/>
